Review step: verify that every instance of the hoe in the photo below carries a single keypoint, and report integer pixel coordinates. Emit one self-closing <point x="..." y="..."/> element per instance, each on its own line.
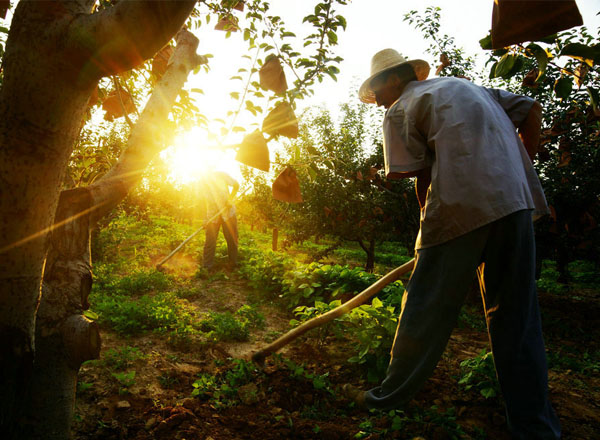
<point x="359" y="299"/>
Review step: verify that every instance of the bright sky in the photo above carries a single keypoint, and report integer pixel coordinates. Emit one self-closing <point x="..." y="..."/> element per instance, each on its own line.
<point x="372" y="25"/>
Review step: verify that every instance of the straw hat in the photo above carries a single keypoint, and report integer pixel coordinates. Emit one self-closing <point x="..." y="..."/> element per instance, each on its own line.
<point x="387" y="59"/>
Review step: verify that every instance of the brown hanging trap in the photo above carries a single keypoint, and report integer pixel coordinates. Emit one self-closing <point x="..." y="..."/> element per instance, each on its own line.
<point x="254" y="152"/>
<point x="161" y="60"/>
<point x="516" y="21"/>
<point x="227" y="23"/>
<point x="113" y="105"/>
<point x="272" y="76"/>
<point x="281" y="121"/>
<point x="286" y="186"/>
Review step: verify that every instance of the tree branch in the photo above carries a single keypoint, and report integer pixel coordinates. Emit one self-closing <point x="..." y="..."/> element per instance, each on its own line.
<point x="121" y="37"/>
<point x="151" y="132"/>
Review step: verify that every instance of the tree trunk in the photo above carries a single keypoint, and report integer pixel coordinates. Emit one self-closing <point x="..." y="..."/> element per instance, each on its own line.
<point x="64" y="337"/>
<point x="55" y="54"/>
<point x="40" y="116"/>
<point x="370" y="266"/>
<point x="275" y="239"/>
<point x="370" y="251"/>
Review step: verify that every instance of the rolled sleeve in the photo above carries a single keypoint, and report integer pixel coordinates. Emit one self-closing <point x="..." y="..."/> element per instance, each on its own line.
<point x="405" y="150"/>
<point x="516" y="106"/>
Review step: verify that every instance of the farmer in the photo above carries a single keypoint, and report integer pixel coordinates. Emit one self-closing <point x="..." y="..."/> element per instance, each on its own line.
<point x="220" y="211"/>
<point x="478" y="191"/>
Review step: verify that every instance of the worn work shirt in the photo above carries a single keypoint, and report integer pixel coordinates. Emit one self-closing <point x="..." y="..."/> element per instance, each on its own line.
<point x="216" y="192"/>
<point x="480" y="170"/>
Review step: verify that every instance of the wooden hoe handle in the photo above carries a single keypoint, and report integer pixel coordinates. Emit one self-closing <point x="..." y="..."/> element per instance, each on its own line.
<point x="359" y="299"/>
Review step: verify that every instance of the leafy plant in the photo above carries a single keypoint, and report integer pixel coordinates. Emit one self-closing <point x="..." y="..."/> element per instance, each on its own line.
<point x="125" y="379"/>
<point x="319" y="381"/>
<point x="480" y="373"/>
<point x="373" y="330"/>
<point x="123" y="358"/>
<point x="232" y="327"/>
<point x="222" y="389"/>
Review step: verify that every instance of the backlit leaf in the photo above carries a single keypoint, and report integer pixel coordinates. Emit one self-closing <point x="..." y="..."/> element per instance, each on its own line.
<point x="563" y="87"/>
<point x="541" y="56"/>
<point x="505" y="65"/>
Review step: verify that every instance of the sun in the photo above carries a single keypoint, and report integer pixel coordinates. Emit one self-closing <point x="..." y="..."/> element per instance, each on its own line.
<point x="192" y="155"/>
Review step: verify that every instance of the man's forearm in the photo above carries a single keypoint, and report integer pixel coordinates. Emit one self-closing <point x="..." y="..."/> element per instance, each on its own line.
<point x="530" y="129"/>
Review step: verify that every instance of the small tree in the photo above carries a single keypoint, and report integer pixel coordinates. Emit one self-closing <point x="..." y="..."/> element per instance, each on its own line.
<point x="345" y="192"/>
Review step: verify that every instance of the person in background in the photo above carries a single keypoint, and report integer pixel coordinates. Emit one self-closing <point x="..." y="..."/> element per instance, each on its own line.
<point x="220" y="212"/>
<point x="471" y="150"/>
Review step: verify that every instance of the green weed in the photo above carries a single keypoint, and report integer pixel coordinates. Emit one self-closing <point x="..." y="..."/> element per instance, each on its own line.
<point x="222" y="389"/>
<point x="82" y="387"/>
<point x="125" y="379"/>
<point x="373" y="329"/>
<point x="232" y="327"/>
<point x="479" y="373"/>
<point x="123" y="358"/>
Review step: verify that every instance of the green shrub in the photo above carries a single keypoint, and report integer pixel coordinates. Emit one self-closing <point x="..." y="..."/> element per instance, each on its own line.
<point x="323" y="283"/>
<point x="232" y="327"/>
<point x="224" y="327"/>
<point x="129" y="316"/>
<point x="264" y="269"/>
<point x="373" y="329"/>
<point x="138" y="282"/>
<point x="130" y="240"/>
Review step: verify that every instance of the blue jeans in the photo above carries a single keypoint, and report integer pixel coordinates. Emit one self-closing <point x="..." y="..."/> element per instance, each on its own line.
<point x="504" y="251"/>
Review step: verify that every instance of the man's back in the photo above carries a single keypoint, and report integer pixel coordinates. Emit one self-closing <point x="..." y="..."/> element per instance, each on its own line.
<point x="480" y="170"/>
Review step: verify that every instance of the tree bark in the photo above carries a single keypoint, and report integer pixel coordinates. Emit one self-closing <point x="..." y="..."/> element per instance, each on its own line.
<point x="64" y="337"/>
<point x="370" y="251"/>
<point x="46" y="86"/>
<point x="275" y="239"/>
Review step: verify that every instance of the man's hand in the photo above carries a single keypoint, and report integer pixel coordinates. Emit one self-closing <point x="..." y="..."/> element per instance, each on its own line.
<point x="530" y="128"/>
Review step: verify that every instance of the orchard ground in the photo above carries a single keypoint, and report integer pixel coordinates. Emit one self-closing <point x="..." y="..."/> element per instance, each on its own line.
<point x="176" y="346"/>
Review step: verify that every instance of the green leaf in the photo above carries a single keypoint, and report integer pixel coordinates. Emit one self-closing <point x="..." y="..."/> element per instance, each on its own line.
<point x="486" y="42"/>
<point x="90" y="315"/>
<point x="582" y="52"/>
<point x="541" y="56"/>
<point x="488" y="392"/>
<point x="312" y="150"/>
<point x="563" y="87"/>
<point x="313" y="171"/>
<point x="594" y="100"/>
<point x="332" y="37"/>
<point x="505" y="65"/>
<point x="492" y="74"/>
<point x="376" y="303"/>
